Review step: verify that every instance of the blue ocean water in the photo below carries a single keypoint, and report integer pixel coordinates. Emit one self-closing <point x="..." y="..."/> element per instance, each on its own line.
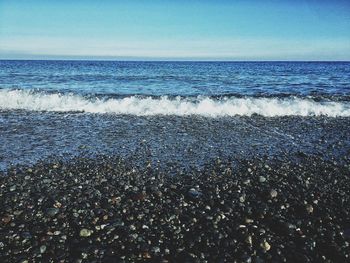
<point x="184" y="112"/>
<point x="178" y="78"/>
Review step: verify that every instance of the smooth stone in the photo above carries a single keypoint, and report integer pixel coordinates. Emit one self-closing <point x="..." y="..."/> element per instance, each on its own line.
<point x="265" y="246"/>
<point x="273" y="193"/>
<point x="262" y="179"/>
<point x="249" y="221"/>
<point x="42" y="249"/>
<point x="242" y="198"/>
<point x="85" y="232"/>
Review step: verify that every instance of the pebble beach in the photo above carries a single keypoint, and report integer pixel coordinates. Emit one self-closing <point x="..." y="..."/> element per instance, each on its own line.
<point x="107" y="210"/>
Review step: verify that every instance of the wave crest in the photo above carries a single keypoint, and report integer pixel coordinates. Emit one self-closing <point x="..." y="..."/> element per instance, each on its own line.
<point x="204" y="106"/>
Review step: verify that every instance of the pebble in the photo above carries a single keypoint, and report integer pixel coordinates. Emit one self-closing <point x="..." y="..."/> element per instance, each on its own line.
<point x="204" y="216"/>
<point x="6" y="219"/>
<point x="265" y="246"/>
<point x="273" y="193"/>
<point x="309" y="208"/>
<point x="42" y="249"/>
<point x="85" y="232"/>
<point x="249" y="221"/>
<point x="262" y="179"/>
<point x="249" y="240"/>
<point x="242" y="198"/>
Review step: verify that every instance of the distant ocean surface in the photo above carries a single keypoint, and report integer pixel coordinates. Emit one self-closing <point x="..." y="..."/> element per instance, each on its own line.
<point x="177" y="88"/>
<point x="216" y="108"/>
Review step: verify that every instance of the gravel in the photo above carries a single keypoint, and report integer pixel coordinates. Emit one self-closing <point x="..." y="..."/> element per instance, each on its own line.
<point x="108" y="210"/>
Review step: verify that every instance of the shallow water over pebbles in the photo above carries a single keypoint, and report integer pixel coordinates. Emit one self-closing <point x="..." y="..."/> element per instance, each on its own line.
<point x="27" y="137"/>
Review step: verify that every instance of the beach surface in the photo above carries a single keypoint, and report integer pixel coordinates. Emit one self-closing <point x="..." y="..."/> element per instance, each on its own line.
<point x="175" y="189"/>
<point x="106" y="210"/>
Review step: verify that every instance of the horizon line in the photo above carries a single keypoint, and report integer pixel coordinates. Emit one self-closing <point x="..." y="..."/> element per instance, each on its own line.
<point x="163" y="60"/>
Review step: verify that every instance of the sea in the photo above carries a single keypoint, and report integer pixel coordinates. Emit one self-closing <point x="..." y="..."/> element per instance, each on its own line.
<point x="183" y="113"/>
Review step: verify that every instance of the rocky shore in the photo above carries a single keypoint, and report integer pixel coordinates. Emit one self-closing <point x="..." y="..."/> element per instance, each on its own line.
<point x="107" y="210"/>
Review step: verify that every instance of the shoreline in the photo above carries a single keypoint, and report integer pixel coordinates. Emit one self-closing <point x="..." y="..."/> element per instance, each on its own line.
<point x="108" y="210"/>
<point x="28" y="137"/>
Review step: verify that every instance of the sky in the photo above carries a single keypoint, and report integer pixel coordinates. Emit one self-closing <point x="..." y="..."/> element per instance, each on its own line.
<point x="175" y="30"/>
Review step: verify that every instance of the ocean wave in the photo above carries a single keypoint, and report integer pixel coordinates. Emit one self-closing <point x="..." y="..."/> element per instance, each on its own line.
<point x="143" y="106"/>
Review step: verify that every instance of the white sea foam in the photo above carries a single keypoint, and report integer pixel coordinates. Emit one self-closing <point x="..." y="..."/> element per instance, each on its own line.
<point x="204" y="106"/>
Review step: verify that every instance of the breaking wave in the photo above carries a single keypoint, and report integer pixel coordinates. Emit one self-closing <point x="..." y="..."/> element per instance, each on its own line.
<point x="205" y="106"/>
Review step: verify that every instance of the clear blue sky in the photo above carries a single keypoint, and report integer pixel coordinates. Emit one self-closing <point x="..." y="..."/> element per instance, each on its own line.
<point x="165" y="29"/>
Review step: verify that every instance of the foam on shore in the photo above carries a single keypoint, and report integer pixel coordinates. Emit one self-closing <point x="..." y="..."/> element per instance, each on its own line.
<point x="204" y="106"/>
